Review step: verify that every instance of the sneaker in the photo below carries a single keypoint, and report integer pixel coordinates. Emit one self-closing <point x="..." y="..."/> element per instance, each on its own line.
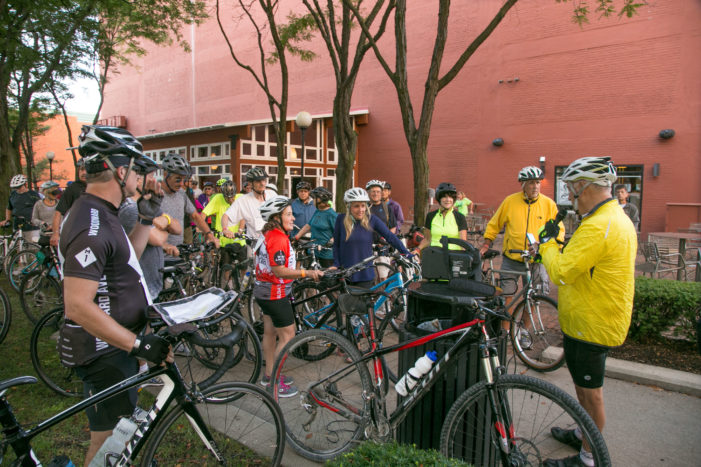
<point x="572" y="461"/>
<point x="566" y="437"/>
<point x="524" y="339"/>
<point x="285" y="390"/>
<point x="182" y="350"/>
<point x="286" y="380"/>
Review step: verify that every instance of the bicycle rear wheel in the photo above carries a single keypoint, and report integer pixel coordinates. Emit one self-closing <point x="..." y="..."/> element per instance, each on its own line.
<point x="5" y="315"/>
<point x="528" y="409"/>
<point x="244" y="421"/>
<point x="46" y="359"/>
<point x="39" y="293"/>
<point x="536" y="335"/>
<point x="329" y="413"/>
<point x="199" y="363"/>
<point x="310" y="312"/>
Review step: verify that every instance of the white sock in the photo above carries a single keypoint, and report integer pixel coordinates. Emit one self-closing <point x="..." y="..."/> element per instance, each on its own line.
<point x="578" y="433"/>
<point x="143" y="368"/>
<point x="586" y="457"/>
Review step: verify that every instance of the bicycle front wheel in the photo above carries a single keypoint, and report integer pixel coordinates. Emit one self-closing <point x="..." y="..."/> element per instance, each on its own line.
<point x="39" y="293"/>
<point x="21" y="264"/>
<point x="46" y="359"/>
<point x="5" y="315"/>
<point x="325" y="406"/>
<point x="524" y="411"/>
<point x="536" y="335"/>
<point x="245" y="423"/>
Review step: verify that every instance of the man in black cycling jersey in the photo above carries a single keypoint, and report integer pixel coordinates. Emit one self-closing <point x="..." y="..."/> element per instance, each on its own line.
<point x="105" y="295"/>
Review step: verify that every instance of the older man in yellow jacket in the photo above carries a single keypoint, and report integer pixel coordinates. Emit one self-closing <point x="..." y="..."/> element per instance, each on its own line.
<point x="595" y="276"/>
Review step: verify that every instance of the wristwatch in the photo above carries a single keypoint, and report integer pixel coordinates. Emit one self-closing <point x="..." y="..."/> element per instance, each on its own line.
<point x="137" y="344"/>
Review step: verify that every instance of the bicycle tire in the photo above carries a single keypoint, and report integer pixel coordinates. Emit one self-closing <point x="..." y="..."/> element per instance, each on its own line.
<point x="199" y="363"/>
<point x="46" y="359"/>
<point x="243" y="419"/>
<point x="39" y="293"/>
<point x="20" y="265"/>
<point x="313" y="430"/>
<point x="254" y="313"/>
<point x="533" y="407"/>
<point x="540" y="321"/>
<point x="5" y="315"/>
<point x="17" y="247"/>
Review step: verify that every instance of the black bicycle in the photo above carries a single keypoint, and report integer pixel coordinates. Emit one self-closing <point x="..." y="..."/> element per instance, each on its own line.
<point x="228" y="423"/>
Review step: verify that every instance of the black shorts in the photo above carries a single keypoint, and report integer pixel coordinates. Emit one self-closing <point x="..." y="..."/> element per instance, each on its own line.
<point x="586" y="362"/>
<point x="233" y="252"/>
<point x="101" y="374"/>
<point x="280" y="311"/>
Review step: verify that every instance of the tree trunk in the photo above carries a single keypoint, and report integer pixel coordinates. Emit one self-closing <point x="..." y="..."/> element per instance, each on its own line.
<point x="346" y="140"/>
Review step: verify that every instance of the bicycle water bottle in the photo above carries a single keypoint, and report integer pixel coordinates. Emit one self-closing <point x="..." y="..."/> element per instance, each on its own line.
<point x="116" y="443"/>
<point x="422" y="366"/>
<point x="246" y="279"/>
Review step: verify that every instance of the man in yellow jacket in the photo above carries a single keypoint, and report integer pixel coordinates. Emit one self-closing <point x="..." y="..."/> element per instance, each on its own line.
<point x="595" y="278"/>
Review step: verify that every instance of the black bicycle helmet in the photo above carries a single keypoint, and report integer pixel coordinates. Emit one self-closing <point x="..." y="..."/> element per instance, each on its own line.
<point x="228" y="189"/>
<point x="303" y="186"/>
<point x="98" y="142"/>
<point x="145" y="165"/>
<point x="255" y="174"/>
<point x="446" y="188"/>
<point x="176" y="164"/>
<point x="321" y="194"/>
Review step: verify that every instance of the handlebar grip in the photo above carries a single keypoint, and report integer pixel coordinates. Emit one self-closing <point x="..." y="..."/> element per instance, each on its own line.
<point x="518" y="252"/>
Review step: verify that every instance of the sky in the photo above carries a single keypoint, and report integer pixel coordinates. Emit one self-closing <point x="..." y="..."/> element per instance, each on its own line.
<point x="86" y="97"/>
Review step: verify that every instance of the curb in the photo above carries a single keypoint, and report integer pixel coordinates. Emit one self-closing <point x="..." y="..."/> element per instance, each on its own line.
<point x="665" y="378"/>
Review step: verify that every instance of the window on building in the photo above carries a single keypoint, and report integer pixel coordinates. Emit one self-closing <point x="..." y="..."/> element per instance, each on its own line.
<point x="214" y="151"/>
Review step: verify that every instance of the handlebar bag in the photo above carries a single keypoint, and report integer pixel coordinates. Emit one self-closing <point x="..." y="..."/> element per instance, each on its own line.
<point x="440" y="263"/>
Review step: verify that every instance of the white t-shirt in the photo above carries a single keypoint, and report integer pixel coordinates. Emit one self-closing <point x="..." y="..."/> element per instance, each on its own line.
<point x="246" y="207"/>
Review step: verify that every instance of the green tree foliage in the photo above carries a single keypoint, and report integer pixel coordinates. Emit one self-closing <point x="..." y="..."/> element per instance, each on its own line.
<point x="44" y="42"/>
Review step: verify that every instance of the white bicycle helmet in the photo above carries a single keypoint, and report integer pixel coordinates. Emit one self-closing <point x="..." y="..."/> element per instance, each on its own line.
<point x="356" y="194"/>
<point x="373" y="183"/>
<point x="597" y="170"/>
<point x="530" y="173"/>
<point x="274" y="205"/>
<point x="17" y="181"/>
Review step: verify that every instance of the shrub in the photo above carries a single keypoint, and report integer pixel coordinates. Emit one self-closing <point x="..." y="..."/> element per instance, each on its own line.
<point x="660" y="304"/>
<point x="371" y="453"/>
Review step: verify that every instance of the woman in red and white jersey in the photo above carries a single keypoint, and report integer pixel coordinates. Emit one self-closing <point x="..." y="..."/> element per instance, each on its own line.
<point x="275" y="271"/>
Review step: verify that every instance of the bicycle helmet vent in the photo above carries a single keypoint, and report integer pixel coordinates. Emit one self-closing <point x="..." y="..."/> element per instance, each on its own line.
<point x="598" y="170"/>
<point x="273" y="206"/>
<point x="356" y="194"/>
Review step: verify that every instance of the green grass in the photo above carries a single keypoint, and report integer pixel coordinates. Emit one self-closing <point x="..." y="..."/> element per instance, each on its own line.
<point x="36" y="402"/>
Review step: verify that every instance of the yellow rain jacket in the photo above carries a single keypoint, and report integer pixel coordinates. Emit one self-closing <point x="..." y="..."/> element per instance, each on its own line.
<point x="595" y="275"/>
<point x="519" y="217"/>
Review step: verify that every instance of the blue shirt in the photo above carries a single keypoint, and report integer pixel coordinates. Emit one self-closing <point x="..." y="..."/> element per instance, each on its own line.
<point x="347" y="252"/>
<point x="322" y="224"/>
<point x="303" y="213"/>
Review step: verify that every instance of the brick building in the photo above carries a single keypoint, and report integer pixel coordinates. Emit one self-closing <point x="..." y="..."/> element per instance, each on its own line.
<point x="552" y="91"/>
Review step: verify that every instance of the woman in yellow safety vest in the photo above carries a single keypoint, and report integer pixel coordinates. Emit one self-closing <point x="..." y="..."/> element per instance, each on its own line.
<point x="446" y="221"/>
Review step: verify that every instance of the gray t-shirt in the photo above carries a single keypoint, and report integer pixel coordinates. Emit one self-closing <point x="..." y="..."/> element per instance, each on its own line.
<point x="152" y="258"/>
<point x="176" y="205"/>
<point x="42" y="213"/>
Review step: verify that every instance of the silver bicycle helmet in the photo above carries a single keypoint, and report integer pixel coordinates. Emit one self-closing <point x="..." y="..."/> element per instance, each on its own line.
<point x="598" y="170"/>
<point x="274" y="205"/>
<point x="48" y="185"/>
<point x="374" y="182"/>
<point x="356" y="194"/>
<point x="176" y="164"/>
<point x="17" y="181"/>
<point x="530" y="173"/>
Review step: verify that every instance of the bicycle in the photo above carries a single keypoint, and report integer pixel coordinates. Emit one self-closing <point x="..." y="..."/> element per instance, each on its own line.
<point x="502" y="419"/>
<point x="225" y="423"/>
<point x="535" y="332"/>
<point x="239" y="359"/>
<point x="41" y="289"/>
<point x="20" y="258"/>
<point x="5" y="315"/>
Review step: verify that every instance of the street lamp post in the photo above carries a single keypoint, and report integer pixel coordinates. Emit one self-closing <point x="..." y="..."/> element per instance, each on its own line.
<point x="303" y="121"/>
<point x="50" y="156"/>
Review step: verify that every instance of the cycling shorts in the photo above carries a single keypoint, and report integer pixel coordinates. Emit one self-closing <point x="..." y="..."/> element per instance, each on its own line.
<point x="102" y="373"/>
<point x="280" y="311"/>
<point x="509" y="282"/>
<point x="233" y="252"/>
<point x="586" y="362"/>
